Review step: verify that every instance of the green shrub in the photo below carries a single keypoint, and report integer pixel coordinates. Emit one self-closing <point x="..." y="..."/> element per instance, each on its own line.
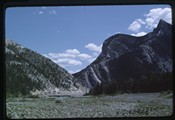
<point x="58" y="101"/>
<point x="31" y="96"/>
<point x="166" y="94"/>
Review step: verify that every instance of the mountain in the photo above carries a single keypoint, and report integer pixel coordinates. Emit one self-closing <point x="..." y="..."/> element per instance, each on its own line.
<point x="28" y="72"/>
<point x="128" y="63"/>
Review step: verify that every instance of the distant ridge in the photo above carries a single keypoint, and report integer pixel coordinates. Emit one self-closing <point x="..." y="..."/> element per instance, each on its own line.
<point x="29" y="73"/>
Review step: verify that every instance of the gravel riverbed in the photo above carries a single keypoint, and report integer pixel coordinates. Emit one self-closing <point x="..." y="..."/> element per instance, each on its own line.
<point x="124" y="105"/>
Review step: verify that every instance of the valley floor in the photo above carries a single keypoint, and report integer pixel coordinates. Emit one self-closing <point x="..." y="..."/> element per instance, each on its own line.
<point x="124" y="105"/>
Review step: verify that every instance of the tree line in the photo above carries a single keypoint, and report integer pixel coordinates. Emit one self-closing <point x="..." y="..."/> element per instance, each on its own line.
<point x="155" y="82"/>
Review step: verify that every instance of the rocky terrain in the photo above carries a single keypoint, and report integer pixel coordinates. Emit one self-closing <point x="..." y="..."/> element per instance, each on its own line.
<point x="124" y="105"/>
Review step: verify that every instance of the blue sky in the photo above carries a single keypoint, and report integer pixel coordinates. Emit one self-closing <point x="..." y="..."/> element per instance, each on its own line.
<point x="72" y="36"/>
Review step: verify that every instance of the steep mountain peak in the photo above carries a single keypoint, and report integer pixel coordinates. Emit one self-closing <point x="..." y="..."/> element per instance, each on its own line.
<point x="163" y="26"/>
<point x="163" y="23"/>
<point x="117" y="45"/>
<point x="127" y="60"/>
<point x="120" y="38"/>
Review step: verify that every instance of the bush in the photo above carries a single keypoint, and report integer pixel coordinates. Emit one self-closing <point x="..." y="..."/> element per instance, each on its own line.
<point x="31" y="96"/>
<point x="34" y="96"/>
<point x="166" y="94"/>
<point x="9" y="95"/>
<point x="58" y="101"/>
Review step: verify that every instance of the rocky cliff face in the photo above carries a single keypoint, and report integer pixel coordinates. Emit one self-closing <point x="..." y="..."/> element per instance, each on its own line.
<point x="28" y="72"/>
<point x="127" y="61"/>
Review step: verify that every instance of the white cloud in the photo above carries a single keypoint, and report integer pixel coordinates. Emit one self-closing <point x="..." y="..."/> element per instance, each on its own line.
<point x="91" y="60"/>
<point x="70" y="57"/>
<point x="136" y="25"/>
<point x="93" y="47"/>
<point x="140" y="21"/>
<point x="40" y="12"/>
<point x="67" y="62"/>
<point x="151" y="20"/>
<point x="52" y="12"/>
<point x="45" y="55"/>
<point x="73" y="71"/>
<point x="63" y="55"/>
<point x="139" y="34"/>
<point x="84" y="56"/>
<point x="53" y="55"/>
<point x="72" y="51"/>
<point x="59" y="55"/>
<point x="95" y="54"/>
<point x="44" y="10"/>
<point x="69" y="53"/>
<point x="154" y="15"/>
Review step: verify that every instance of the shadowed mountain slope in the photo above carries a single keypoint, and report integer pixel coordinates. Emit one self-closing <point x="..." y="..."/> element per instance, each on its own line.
<point x="128" y="63"/>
